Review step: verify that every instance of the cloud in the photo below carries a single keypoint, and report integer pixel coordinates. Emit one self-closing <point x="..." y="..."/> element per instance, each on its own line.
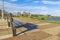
<point x="13" y="7"/>
<point x="34" y="9"/>
<point x="36" y="1"/>
<point x="13" y="0"/>
<point x="51" y="2"/>
<point x="28" y="0"/>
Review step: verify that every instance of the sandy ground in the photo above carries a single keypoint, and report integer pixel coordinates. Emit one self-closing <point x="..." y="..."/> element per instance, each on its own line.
<point x="45" y="31"/>
<point x="3" y="24"/>
<point x="42" y="33"/>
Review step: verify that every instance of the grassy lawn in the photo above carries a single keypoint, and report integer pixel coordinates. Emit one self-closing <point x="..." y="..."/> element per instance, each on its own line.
<point x="28" y="18"/>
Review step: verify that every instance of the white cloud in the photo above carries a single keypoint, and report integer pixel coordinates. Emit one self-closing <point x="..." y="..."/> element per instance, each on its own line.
<point x="36" y="1"/>
<point x="13" y="0"/>
<point x="13" y="7"/>
<point x="28" y="0"/>
<point x="34" y="9"/>
<point x="51" y="2"/>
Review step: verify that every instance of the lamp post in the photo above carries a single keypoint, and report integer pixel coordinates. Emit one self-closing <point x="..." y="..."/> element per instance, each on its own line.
<point x="2" y="9"/>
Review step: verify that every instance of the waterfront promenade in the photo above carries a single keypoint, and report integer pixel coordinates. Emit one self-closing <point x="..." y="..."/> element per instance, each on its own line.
<point x="45" y="31"/>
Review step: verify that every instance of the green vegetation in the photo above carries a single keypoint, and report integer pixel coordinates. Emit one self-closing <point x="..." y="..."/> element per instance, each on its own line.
<point x="38" y="18"/>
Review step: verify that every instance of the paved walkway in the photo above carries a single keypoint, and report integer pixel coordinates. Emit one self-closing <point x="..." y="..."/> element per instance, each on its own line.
<point x="44" y="32"/>
<point x="3" y="24"/>
<point x="5" y="36"/>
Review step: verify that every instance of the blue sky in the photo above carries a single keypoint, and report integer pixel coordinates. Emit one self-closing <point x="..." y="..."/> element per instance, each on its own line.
<point x="44" y="7"/>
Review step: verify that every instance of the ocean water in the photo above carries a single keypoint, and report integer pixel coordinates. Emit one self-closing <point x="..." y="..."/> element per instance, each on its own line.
<point x="54" y="19"/>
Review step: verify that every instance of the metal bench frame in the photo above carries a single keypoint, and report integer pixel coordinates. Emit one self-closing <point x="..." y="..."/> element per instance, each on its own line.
<point x="10" y="23"/>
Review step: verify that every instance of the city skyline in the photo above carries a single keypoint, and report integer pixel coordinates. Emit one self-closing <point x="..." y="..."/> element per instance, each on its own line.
<point x="51" y="7"/>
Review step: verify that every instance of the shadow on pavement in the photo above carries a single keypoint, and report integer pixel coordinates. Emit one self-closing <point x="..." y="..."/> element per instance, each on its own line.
<point x="29" y="27"/>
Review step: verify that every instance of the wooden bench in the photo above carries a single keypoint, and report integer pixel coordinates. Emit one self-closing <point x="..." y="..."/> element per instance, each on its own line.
<point x="17" y="24"/>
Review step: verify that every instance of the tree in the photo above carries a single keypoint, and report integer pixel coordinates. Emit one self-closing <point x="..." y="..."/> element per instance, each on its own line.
<point x="48" y="15"/>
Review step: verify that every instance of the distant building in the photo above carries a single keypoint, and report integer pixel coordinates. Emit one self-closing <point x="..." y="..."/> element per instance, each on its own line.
<point x="16" y="13"/>
<point x="26" y="14"/>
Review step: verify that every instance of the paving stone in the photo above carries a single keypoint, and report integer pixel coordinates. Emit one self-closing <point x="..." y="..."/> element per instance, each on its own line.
<point x="52" y="38"/>
<point x="53" y="31"/>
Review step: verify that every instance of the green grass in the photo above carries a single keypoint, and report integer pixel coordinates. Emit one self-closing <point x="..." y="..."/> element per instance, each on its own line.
<point x="33" y="19"/>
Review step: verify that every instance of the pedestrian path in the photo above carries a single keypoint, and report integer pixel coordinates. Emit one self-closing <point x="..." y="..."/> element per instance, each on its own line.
<point x="3" y="24"/>
<point x="45" y="31"/>
<point x="5" y="36"/>
<point x="50" y="33"/>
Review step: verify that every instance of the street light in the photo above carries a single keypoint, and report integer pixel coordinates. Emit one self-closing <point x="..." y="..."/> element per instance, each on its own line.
<point x="2" y="9"/>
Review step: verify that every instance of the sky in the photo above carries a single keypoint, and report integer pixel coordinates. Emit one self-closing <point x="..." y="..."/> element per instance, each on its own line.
<point x="51" y="7"/>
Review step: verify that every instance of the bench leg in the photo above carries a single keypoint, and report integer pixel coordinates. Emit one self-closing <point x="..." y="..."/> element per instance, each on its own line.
<point x="13" y="29"/>
<point x="14" y="32"/>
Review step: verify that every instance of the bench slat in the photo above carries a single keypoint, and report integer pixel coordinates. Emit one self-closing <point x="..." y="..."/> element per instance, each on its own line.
<point x="17" y="23"/>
